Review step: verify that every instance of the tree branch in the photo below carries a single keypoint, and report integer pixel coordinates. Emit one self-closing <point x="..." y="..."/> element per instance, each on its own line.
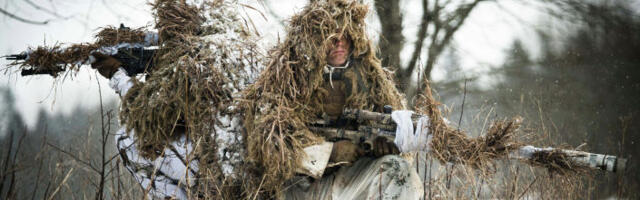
<point x="37" y="7"/>
<point x="74" y="157"/>
<point x="462" y="13"/>
<point x="270" y="10"/>
<point x="28" y="21"/>
<point x="422" y="34"/>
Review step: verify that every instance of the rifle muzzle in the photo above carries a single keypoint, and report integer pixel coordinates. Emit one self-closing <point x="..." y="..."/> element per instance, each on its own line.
<point x="16" y="57"/>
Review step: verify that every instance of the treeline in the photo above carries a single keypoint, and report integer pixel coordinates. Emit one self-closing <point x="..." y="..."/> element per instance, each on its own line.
<point x="61" y="157"/>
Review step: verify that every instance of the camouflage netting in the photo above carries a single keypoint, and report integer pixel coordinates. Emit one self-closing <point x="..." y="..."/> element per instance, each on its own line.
<point x="288" y="94"/>
<point x="57" y="59"/>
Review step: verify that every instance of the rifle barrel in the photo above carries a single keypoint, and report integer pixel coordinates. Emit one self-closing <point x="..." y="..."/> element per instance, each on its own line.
<point x="365" y="115"/>
<point x="29" y="72"/>
<point x="134" y="60"/>
<point x="16" y="57"/>
<point x="576" y="158"/>
<point x="362" y="115"/>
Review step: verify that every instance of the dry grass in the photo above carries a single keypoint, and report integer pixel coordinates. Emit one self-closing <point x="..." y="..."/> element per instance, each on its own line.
<point x="509" y="180"/>
<point x="557" y="162"/>
<point x="455" y="146"/>
<point x="287" y="96"/>
<point x="110" y="36"/>
<point x="189" y="88"/>
<point x="480" y="168"/>
<point x="182" y="93"/>
<point x="55" y="60"/>
<point x="185" y="92"/>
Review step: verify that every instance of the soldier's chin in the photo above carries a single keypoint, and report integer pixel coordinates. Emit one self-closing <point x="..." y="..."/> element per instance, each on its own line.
<point x="337" y="62"/>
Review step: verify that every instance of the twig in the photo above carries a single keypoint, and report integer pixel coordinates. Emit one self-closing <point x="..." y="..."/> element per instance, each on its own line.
<point x="119" y="181"/>
<point x="514" y="188"/>
<point x="74" y="157"/>
<point x="104" y="133"/>
<point x="430" y="167"/>
<point x="480" y="189"/>
<point x="64" y="180"/>
<point x="271" y="12"/>
<point x="527" y="189"/>
<point x="436" y="46"/>
<point x="380" y="184"/>
<point x="182" y="159"/>
<point x="28" y="21"/>
<point x="13" y="162"/>
<point x="258" y="189"/>
<point x="37" y="7"/>
<point x="42" y="147"/>
<point x="464" y="98"/>
<point x="422" y="34"/>
<point x="449" y="175"/>
<point x="7" y="160"/>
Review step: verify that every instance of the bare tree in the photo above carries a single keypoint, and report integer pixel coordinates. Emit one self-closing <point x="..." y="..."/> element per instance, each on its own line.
<point x="439" y="22"/>
<point x="392" y="40"/>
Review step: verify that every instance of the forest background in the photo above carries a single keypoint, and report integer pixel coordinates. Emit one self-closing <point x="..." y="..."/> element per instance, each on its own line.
<point x="569" y="67"/>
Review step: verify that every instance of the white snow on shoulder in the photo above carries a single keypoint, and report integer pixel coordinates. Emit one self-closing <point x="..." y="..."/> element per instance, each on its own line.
<point x="233" y="51"/>
<point x="120" y="82"/>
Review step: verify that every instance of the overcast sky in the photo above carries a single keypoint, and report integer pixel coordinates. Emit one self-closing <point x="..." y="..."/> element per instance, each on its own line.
<point x="481" y="43"/>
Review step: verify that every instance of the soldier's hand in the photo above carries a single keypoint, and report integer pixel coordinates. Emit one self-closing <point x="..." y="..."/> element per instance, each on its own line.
<point x="345" y="151"/>
<point x="106" y="65"/>
<point x="384" y="146"/>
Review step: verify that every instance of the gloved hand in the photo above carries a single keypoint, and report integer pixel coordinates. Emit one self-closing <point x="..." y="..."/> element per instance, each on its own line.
<point x="106" y="65"/>
<point x="384" y="146"/>
<point x="345" y="151"/>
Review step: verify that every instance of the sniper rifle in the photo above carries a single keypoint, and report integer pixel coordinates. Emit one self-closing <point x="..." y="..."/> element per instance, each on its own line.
<point x="135" y="57"/>
<point x="375" y="124"/>
<point x="134" y="60"/>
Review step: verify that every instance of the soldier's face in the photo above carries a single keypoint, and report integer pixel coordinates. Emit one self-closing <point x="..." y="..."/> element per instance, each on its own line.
<point x="339" y="52"/>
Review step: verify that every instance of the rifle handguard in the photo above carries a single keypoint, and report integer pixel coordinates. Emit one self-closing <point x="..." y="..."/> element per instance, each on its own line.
<point x="364" y="136"/>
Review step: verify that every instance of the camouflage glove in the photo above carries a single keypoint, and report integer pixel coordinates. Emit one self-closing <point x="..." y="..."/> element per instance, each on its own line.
<point x="345" y="151"/>
<point x="105" y="64"/>
<point x="383" y="146"/>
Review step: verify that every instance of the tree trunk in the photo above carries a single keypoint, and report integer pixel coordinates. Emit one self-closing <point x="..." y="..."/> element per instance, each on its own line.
<point x="391" y="41"/>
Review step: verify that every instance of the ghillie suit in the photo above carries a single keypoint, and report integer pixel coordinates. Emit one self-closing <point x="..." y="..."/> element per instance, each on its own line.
<point x="206" y="57"/>
<point x="289" y="95"/>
